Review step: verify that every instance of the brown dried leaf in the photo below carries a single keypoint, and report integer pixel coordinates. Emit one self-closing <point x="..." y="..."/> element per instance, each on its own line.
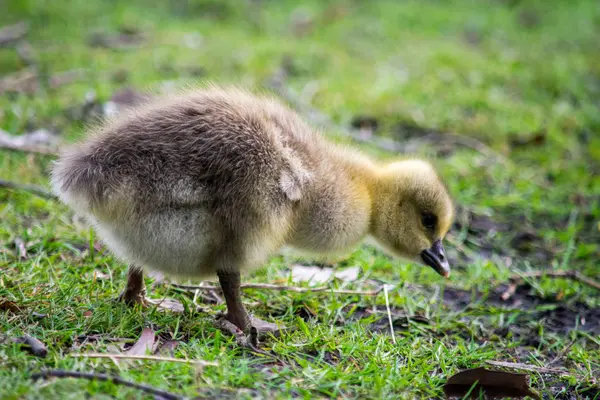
<point x="7" y="305"/>
<point x="494" y="384"/>
<point x="167" y="304"/>
<point x="144" y="345"/>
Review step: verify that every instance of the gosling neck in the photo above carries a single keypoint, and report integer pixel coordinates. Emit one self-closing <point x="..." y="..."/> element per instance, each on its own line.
<point x="365" y="175"/>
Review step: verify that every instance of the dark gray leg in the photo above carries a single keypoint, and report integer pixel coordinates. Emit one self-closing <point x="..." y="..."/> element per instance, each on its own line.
<point x="236" y="313"/>
<point x="135" y="289"/>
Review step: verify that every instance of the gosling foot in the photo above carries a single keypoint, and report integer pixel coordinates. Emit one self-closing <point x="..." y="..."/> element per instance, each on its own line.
<point x="254" y="330"/>
<point x="135" y="289"/>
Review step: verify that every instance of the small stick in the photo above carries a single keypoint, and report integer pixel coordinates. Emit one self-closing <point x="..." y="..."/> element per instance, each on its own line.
<point x="574" y="275"/>
<point x="389" y="313"/>
<point x="33" y="345"/>
<point x="284" y="288"/>
<point x="57" y="373"/>
<point x="33" y="189"/>
<point x="201" y="363"/>
<point x="527" y="367"/>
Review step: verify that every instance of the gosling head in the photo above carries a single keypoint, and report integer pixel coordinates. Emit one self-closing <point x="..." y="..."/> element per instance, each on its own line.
<point x="412" y="213"/>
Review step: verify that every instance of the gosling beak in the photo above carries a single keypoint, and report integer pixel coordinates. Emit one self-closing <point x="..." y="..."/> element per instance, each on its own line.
<point x="435" y="257"/>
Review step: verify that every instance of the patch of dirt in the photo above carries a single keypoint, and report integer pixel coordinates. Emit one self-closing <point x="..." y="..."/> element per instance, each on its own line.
<point x="561" y="390"/>
<point x="557" y="317"/>
<point x="524" y="297"/>
<point x="565" y="318"/>
<point x="515" y="236"/>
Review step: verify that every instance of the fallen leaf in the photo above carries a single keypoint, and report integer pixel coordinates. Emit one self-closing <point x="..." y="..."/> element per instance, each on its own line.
<point x="347" y="274"/>
<point x="88" y="313"/>
<point x="494" y="384"/>
<point x="317" y="275"/>
<point x="167" y="304"/>
<point x="144" y="345"/>
<point x="33" y="345"/>
<point x="100" y="276"/>
<point x="7" y="305"/>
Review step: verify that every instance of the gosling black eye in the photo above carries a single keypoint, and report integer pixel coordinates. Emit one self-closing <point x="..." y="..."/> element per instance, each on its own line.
<point x="429" y="220"/>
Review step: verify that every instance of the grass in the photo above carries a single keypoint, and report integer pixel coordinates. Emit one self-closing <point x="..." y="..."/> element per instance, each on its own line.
<point x="502" y="72"/>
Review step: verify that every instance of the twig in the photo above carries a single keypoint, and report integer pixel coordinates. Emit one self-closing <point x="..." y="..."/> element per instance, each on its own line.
<point x="201" y="363"/>
<point x="528" y="367"/>
<point x="574" y="275"/>
<point x="57" y="373"/>
<point x="389" y="313"/>
<point x="33" y="345"/>
<point x="284" y="288"/>
<point x="34" y="189"/>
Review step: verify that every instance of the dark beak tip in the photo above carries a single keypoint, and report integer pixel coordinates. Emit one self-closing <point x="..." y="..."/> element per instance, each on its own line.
<point x="439" y="264"/>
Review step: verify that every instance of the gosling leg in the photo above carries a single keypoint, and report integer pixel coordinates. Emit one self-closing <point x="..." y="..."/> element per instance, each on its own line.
<point x="236" y="313"/>
<point x="135" y="289"/>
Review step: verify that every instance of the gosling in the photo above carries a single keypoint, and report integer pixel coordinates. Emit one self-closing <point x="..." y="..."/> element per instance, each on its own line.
<point x="215" y="180"/>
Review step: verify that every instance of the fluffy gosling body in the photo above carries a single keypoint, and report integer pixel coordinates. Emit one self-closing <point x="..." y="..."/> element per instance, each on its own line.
<point x="216" y="180"/>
